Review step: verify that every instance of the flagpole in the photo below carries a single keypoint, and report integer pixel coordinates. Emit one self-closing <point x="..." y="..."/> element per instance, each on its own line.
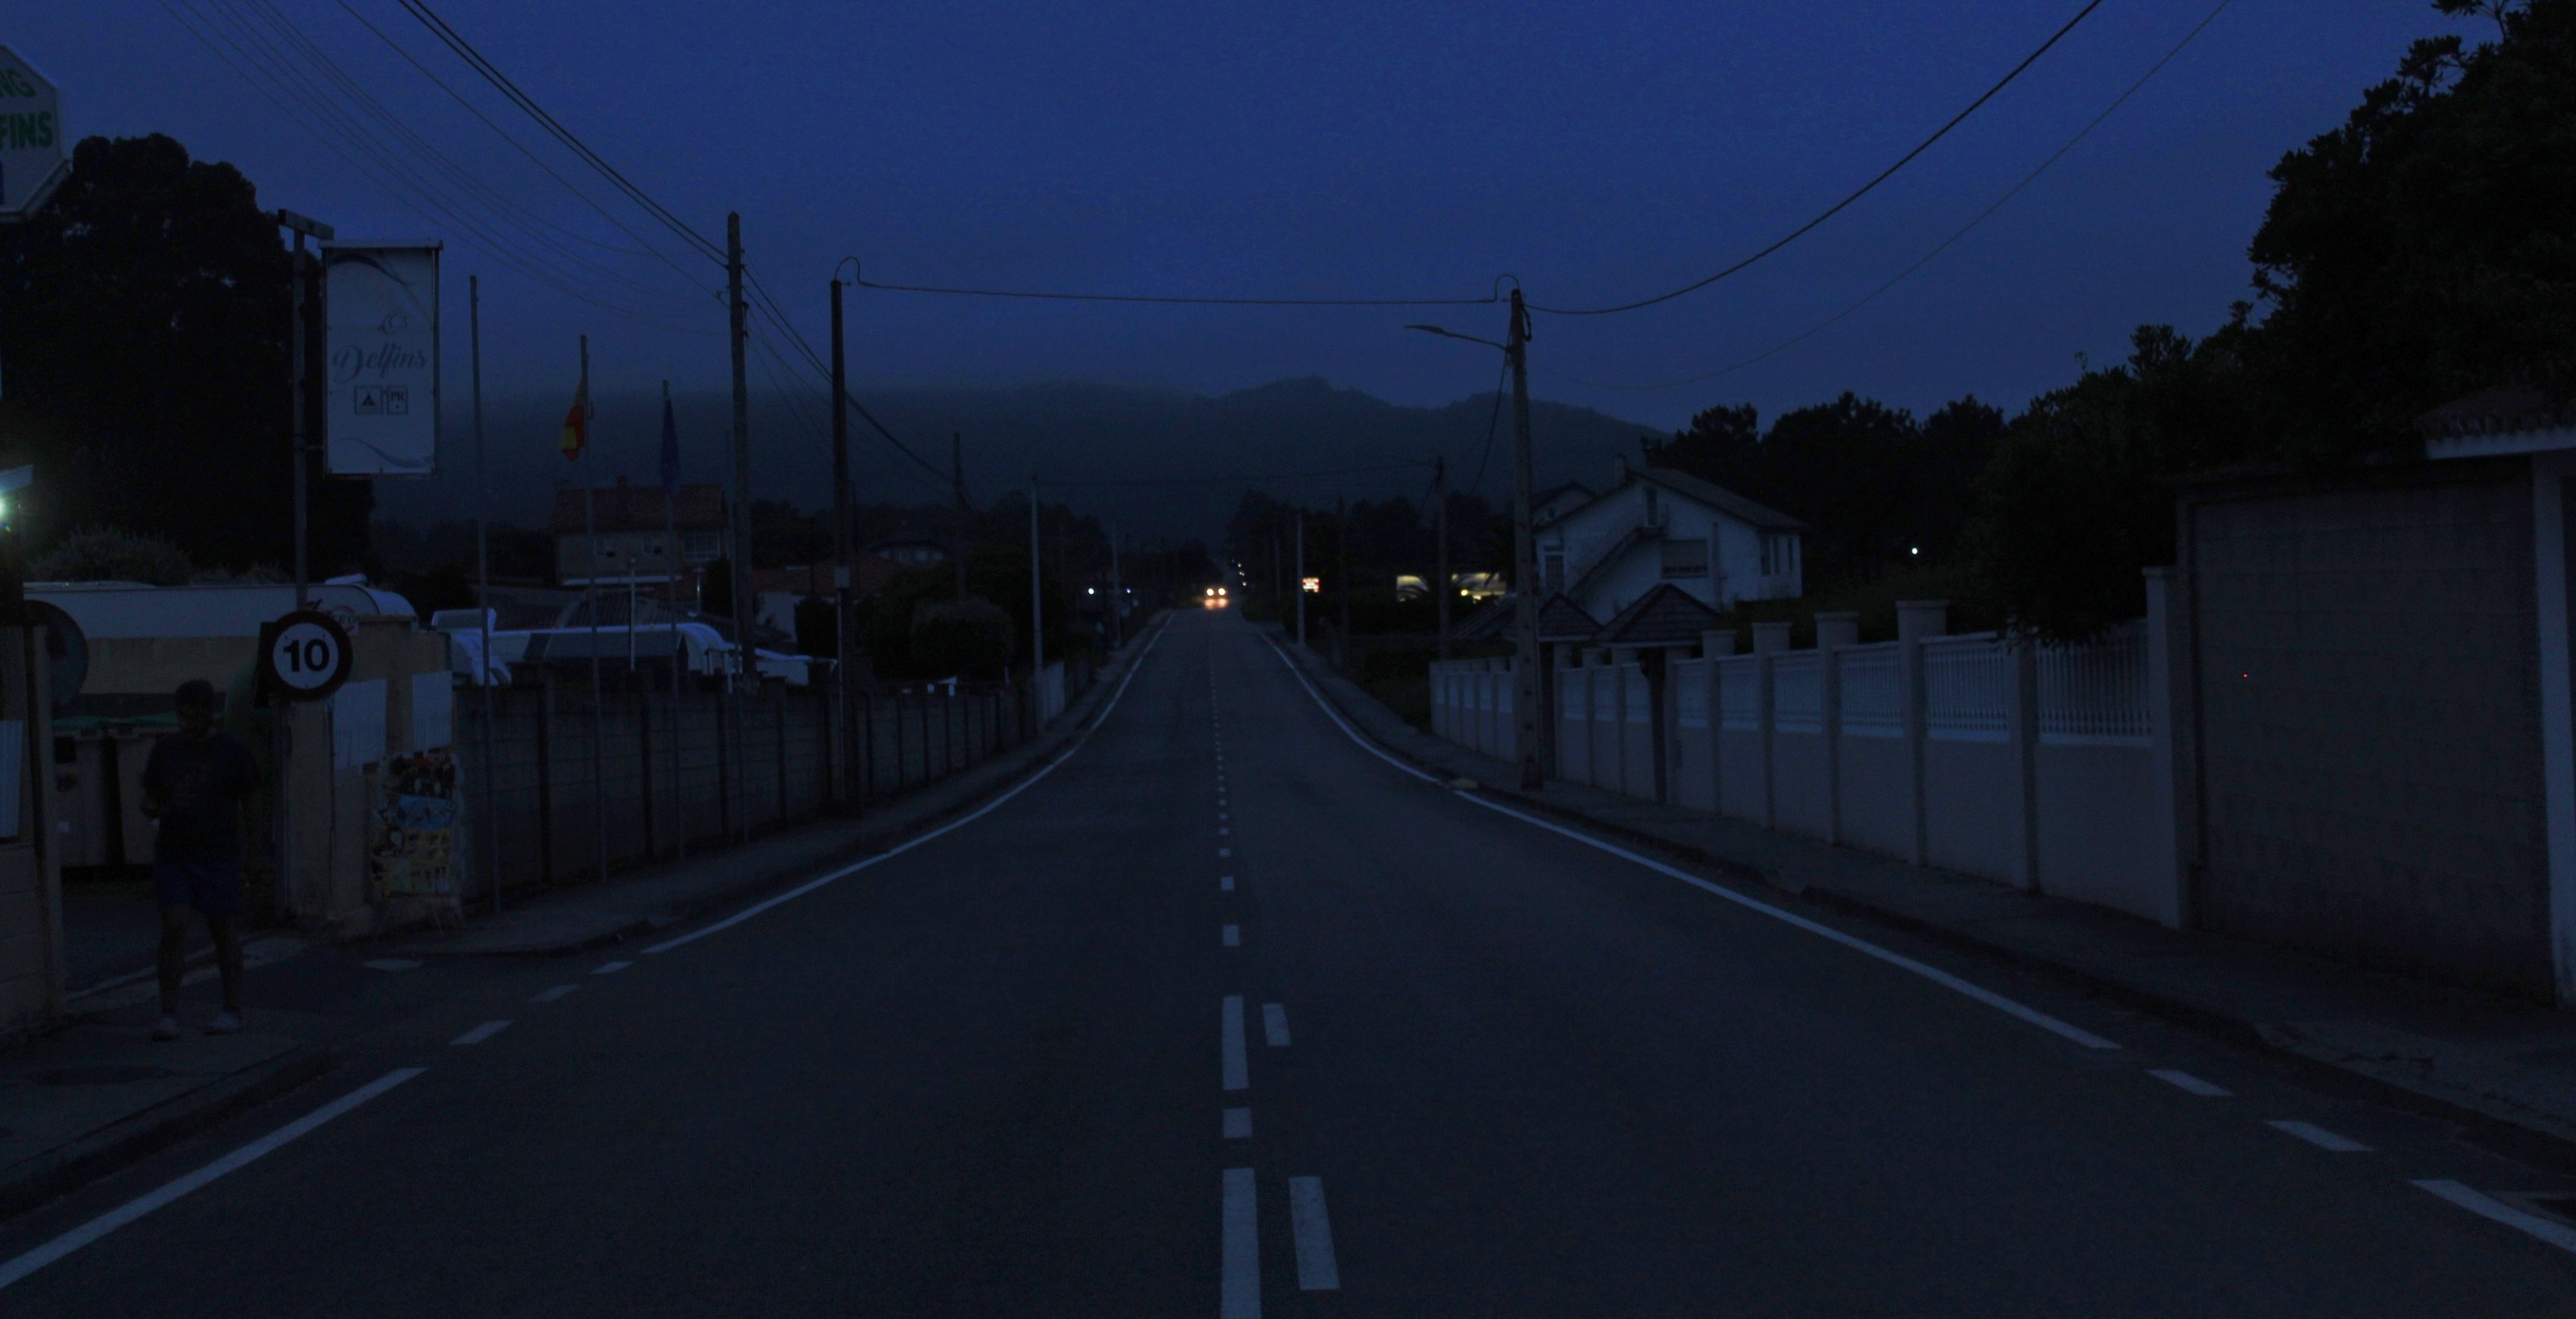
<point x="590" y="595"/>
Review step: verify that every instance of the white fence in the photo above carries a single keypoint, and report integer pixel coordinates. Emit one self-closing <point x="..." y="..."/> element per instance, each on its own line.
<point x="2037" y="766"/>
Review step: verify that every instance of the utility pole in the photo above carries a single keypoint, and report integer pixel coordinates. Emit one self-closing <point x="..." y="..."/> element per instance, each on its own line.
<point x="1117" y="597"/>
<point x="957" y="484"/>
<point x="1342" y="584"/>
<point x="1527" y="726"/>
<point x="305" y="293"/>
<point x="843" y="565"/>
<point x="483" y="565"/>
<point x="1300" y="583"/>
<point x="745" y="607"/>
<point x="590" y="606"/>
<point x="1440" y="520"/>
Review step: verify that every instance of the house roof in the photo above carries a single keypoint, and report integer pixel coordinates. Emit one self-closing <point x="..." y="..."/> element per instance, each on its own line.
<point x="1719" y="497"/>
<point x="626" y="507"/>
<point x="1560" y="619"/>
<point x="1544" y="497"/>
<point x="2497" y="412"/>
<point x="1664" y="616"/>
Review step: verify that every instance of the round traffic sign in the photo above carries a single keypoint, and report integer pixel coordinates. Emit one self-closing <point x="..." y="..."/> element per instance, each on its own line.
<point x="304" y="655"/>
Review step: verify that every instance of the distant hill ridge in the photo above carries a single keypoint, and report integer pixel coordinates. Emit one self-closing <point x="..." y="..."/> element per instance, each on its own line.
<point x="1133" y="454"/>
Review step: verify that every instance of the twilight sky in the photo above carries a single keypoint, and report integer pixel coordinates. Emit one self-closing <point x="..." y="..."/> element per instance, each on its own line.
<point x="1389" y="148"/>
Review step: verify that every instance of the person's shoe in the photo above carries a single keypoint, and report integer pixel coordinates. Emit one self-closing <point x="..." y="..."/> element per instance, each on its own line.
<point x="167" y="1028"/>
<point x="226" y="1022"/>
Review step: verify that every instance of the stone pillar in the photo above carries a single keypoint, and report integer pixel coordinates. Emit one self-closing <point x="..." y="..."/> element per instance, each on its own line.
<point x="2021" y="727"/>
<point x="1834" y="630"/>
<point x="2168" y="698"/>
<point x="1717" y="642"/>
<point x="1769" y="639"/>
<point x="1917" y="621"/>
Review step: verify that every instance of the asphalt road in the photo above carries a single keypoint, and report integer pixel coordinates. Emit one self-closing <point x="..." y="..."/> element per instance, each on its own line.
<point x="1225" y="1015"/>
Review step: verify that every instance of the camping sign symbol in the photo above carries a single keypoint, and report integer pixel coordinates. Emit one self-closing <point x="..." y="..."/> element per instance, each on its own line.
<point x="382" y="400"/>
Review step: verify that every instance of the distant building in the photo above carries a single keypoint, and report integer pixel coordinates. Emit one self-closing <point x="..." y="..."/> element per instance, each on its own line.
<point x="913" y="549"/>
<point x="1656" y="526"/>
<point x="633" y="523"/>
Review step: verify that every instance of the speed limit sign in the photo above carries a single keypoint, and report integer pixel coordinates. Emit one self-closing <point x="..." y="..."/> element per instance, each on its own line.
<point x="304" y="655"/>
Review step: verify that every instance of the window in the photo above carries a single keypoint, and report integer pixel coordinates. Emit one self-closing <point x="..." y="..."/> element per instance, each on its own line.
<point x="1553" y="570"/>
<point x="1686" y="558"/>
<point x="1779" y="553"/>
<point x="1654" y="511"/>
<point x="701" y="546"/>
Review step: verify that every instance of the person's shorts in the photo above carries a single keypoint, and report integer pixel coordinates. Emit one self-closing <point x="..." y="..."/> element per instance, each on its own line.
<point x="212" y="887"/>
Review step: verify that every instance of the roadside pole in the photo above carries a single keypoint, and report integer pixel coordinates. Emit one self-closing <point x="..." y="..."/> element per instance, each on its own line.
<point x="957" y="485"/>
<point x="483" y="572"/>
<point x="745" y="607"/>
<point x="1527" y="727"/>
<point x="1037" y="615"/>
<point x="590" y="600"/>
<point x="1299" y="585"/>
<point x="1342" y="584"/>
<point x="281" y="724"/>
<point x="843" y="564"/>
<point x="1440" y="520"/>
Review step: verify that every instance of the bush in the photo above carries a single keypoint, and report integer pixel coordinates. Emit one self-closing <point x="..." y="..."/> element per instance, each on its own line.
<point x="107" y="554"/>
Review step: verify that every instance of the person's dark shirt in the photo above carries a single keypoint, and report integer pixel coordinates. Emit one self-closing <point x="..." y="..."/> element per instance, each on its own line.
<point x="199" y="785"/>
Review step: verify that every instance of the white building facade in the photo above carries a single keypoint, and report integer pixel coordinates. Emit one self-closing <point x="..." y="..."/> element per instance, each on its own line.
<point x="1653" y="526"/>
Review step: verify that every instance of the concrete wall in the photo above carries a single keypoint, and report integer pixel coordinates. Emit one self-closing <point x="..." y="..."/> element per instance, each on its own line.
<point x="2369" y="734"/>
<point x="156" y="666"/>
<point x="1693" y="773"/>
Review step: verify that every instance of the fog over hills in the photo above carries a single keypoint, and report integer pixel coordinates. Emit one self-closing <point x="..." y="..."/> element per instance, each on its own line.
<point x="1161" y="463"/>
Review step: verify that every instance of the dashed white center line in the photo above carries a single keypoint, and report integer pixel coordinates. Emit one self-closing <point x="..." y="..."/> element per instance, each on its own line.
<point x="2487" y="1206"/>
<point x="551" y="995"/>
<point x="1238" y="1075"/>
<point x="391" y="964"/>
<point x="481" y="1033"/>
<point x="2189" y="1083"/>
<point x="1238" y="1124"/>
<point x="1238" y="1287"/>
<point x="1316" y="1269"/>
<point x="1233" y="935"/>
<point x="606" y="968"/>
<point x="1223" y="832"/>
<point x="1274" y="1025"/>
<point x="1225" y="851"/>
<point x="1225" y="883"/>
<point x="2319" y="1136"/>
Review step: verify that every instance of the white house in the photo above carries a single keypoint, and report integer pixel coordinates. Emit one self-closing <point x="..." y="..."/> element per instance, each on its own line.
<point x="1655" y="525"/>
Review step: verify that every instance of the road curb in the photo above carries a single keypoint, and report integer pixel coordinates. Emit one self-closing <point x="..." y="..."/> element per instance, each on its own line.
<point x="2505" y="1130"/>
<point x="1000" y="774"/>
<point x="137" y="1136"/>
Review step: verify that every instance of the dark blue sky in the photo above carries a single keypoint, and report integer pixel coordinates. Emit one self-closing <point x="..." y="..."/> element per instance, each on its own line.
<point x="1323" y="148"/>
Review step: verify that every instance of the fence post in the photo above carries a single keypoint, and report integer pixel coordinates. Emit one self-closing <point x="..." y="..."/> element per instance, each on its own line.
<point x="1769" y="639"/>
<point x="1918" y="621"/>
<point x="724" y="773"/>
<point x="1835" y="629"/>
<point x="2168" y="667"/>
<point x="1715" y="644"/>
<point x="2021" y="726"/>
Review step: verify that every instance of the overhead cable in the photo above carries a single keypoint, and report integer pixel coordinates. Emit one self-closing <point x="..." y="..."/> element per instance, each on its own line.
<point x="1926" y="259"/>
<point x="1837" y="208"/>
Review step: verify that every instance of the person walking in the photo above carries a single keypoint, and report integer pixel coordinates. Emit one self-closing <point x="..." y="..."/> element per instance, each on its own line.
<point x="193" y="785"/>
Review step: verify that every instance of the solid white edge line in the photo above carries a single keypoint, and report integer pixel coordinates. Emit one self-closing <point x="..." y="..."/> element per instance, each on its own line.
<point x="1238" y="1074"/>
<point x="139" y="1206"/>
<point x="2488" y="1207"/>
<point x="481" y="1033"/>
<point x="1274" y="1025"/>
<point x="1312" y="1229"/>
<point x="606" y="968"/>
<point x="1937" y="976"/>
<point x="2190" y="1084"/>
<point x="959" y="823"/>
<point x="2318" y="1136"/>
<point x="1238" y="1124"/>
<point x="1238" y="1288"/>
<point x="1231" y="935"/>
<point x="550" y="995"/>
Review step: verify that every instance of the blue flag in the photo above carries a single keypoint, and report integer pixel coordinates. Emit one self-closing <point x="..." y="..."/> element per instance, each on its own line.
<point x="670" y="448"/>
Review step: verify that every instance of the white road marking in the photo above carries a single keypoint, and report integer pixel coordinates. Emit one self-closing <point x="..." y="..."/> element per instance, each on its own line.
<point x="1225" y="851"/>
<point x="1223" y="832"/>
<point x="551" y="995"/>
<point x="2318" y="1136"/>
<point x="136" y="1208"/>
<point x="1238" y="1124"/>
<point x="959" y="823"/>
<point x="391" y="964"/>
<point x="1937" y="976"/>
<point x="2192" y="1084"/>
<point x="480" y="1033"/>
<point x="2485" y="1206"/>
<point x="1274" y="1025"/>
<point x="1316" y="1270"/>
<point x="1238" y="1075"/>
<point x="1238" y="1285"/>
<point x="606" y="968"/>
<point x="1233" y="936"/>
<point x="1225" y="883"/>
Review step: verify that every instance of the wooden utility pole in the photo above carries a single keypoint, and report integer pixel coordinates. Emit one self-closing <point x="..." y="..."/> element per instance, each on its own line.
<point x="844" y="564"/>
<point x="746" y="608"/>
<point x="1300" y="584"/>
<point x="1440" y="521"/>
<point x="1342" y="584"/>
<point x="1528" y="729"/>
<point x="1037" y="616"/>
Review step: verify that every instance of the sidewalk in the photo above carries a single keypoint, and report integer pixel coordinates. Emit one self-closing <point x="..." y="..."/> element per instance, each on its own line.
<point x="2501" y="1064"/>
<point x="100" y="1093"/>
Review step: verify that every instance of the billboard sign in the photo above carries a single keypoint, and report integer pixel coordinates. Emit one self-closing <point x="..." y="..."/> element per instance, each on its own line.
<point x="33" y="157"/>
<point x="381" y="314"/>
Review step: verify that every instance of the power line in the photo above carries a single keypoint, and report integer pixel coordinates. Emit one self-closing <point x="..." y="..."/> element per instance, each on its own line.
<point x="1246" y="478"/>
<point x="1837" y="208"/>
<point x="1477" y="486"/>
<point x="1926" y="259"/>
<point x="1180" y="301"/>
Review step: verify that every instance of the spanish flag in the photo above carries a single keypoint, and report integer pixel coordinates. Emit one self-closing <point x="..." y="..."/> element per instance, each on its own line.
<point x="576" y="430"/>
